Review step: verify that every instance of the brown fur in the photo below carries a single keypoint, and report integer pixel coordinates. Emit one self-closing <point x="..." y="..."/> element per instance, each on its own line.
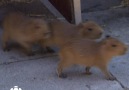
<point x="90" y="53"/>
<point x="24" y="30"/>
<point x="63" y="32"/>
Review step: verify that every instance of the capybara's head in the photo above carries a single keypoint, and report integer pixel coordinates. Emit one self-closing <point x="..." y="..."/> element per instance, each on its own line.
<point x="42" y="27"/>
<point x="113" y="47"/>
<point x="90" y="30"/>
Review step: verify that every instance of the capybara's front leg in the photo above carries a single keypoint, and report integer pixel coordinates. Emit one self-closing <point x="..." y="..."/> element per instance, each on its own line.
<point x="87" y="71"/>
<point x="50" y="50"/>
<point x="5" y="40"/>
<point x="27" y="48"/>
<point x="61" y="65"/>
<point x="106" y="72"/>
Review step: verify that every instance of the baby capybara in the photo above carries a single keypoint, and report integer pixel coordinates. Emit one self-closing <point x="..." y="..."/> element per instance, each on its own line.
<point x="23" y="30"/>
<point x="90" y="53"/>
<point x="63" y="32"/>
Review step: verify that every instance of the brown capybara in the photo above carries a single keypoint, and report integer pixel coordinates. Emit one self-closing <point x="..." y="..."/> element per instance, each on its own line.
<point x="63" y="32"/>
<point x="24" y="30"/>
<point x="90" y="53"/>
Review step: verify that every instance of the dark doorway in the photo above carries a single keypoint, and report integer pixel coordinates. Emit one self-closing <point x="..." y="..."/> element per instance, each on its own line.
<point x="65" y="7"/>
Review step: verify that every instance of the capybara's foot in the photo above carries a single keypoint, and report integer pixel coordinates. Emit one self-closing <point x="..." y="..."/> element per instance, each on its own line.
<point x="49" y="50"/>
<point x="30" y="54"/>
<point x="43" y="51"/>
<point x="62" y="75"/>
<point x="88" y="73"/>
<point x="87" y="69"/>
<point x="6" y="49"/>
<point x="111" y="78"/>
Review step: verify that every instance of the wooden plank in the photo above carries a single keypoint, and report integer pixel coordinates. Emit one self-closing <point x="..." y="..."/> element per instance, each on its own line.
<point x="77" y="11"/>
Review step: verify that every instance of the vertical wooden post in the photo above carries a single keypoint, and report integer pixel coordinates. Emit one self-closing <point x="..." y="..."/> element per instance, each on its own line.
<point x="77" y="11"/>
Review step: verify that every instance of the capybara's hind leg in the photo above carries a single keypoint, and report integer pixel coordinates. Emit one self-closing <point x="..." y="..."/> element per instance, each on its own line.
<point x="106" y="72"/>
<point x="27" y="48"/>
<point x="50" y="50"/>
<point x="87" y="71"/>
<point x="5" y="40"/>
<point x="61" y="66"/>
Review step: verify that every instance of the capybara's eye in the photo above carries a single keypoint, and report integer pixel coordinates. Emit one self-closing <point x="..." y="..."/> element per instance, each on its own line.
<point x="114" y="45"/>
<point x="89" y="29"/>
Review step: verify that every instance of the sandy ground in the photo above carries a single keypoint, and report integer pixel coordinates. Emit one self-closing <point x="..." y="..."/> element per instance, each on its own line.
<point x="39" y="72"/>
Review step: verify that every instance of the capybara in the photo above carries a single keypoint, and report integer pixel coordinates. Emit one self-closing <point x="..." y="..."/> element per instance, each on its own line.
<point x="90" y="53"/>
<point x="63" y="32"/>
<point x="24" y="30"/>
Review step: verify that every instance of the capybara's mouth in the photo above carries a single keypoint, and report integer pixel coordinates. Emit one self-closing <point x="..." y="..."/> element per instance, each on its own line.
<point x="124" y="52"/>
<point x="98" y="36"/>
